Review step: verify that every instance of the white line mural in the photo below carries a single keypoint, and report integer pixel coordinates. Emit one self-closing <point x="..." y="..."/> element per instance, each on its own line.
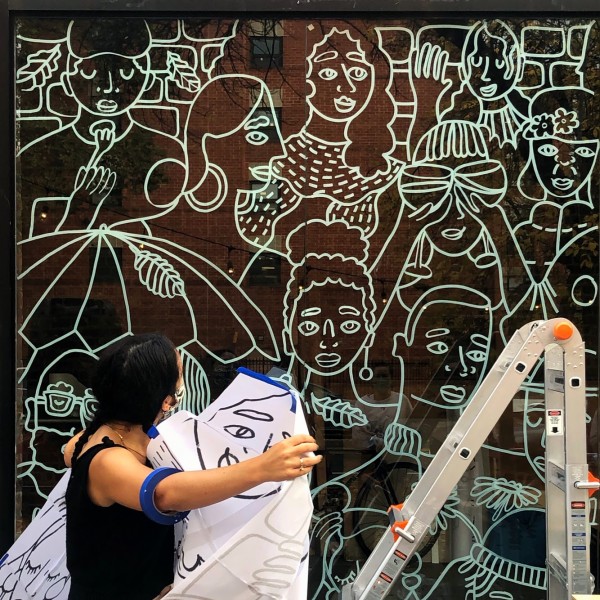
<point x="363" y="209"/>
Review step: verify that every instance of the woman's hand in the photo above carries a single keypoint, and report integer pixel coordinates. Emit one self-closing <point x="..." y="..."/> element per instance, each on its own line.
<point x="290" y="458"/>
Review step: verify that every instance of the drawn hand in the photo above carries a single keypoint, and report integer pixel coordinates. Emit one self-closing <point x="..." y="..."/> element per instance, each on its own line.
<point x="275" y="565"/>
<point x="92" y="186"/>
<point x="104" y="136"/>
<point x="430" y="63"/>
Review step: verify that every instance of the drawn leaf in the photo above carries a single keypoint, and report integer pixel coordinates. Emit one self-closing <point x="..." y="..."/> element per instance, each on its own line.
<point x="339" y="412"/>
<point x="39" y="68"/>
<point x="182" y="73"/>
<point x="158" y="275"/>
<point x="197" y="397"/>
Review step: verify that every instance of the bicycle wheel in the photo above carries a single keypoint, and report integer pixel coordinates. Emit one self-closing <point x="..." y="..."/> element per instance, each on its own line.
<point x="390" y="484"/>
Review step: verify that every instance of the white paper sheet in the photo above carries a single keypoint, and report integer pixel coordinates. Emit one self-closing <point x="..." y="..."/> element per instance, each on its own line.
<point x="255" y="545"/>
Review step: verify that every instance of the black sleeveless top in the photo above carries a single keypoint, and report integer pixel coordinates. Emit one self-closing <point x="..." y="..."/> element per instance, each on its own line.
<point x="114" y="552"/>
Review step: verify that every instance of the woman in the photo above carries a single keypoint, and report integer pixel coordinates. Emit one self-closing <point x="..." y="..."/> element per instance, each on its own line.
<point x="113" y="549"/>
<point x="325" y="169"/>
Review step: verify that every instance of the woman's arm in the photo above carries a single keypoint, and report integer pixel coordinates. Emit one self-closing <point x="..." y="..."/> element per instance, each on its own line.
<point x="117" y="476"/>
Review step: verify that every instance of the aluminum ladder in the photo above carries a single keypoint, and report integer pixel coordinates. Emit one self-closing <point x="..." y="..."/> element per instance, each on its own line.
<point x="567" y="483"/>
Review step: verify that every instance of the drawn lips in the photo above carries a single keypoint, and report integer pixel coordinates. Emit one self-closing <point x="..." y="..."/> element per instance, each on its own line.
<point x="328" y="360"/>
<point x="562" y="184"/>
<point x="344" y="104"/>
<point x="261" y="172"/>
<point x="453" y="234"/>
<point x="452" y="394"/>
<point x="106" y="106"/>
<point x="489" y="91"/>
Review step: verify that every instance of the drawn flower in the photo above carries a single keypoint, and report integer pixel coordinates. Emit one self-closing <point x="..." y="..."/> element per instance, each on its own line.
<point x="541" y="126"/>
<point x="565" y="122"/>
<point x="502" y="495"/>
<point x="448" y="512"/>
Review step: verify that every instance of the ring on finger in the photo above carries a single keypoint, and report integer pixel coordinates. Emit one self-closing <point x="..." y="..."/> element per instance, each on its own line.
<point x="301" y="463"/>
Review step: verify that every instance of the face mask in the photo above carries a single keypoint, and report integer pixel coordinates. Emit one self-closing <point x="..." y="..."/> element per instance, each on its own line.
<point x="178" y="397"/>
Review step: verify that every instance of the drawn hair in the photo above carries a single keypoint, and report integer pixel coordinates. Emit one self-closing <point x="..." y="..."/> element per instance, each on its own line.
<point x="448" y="294"/>
<point x="132" y="378"/>
<point x="456" y="139"/>
<point x="129" y="38"/>
<point x="220" y="109"/>
<point x="314" y="251"/>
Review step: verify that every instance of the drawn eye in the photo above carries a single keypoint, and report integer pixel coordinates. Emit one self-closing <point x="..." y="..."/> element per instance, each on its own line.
<point x="257" y="138"/>
<point x="547" y="150"/>
<point x="500" y="64"/>
<point x="437" y="347"/>
<point x="584" y="152"/>
<point x="308" y="327"/>
<point x="476" y="61"/>
<point x="88" y="75"/>
<point x="358" y="73"/>
<point x="476" y="356"/>
<point x="125" y="75"/>
<point x="239" y="431"/>
<point x="350" y="327"/>
<point x="328" y="74"/>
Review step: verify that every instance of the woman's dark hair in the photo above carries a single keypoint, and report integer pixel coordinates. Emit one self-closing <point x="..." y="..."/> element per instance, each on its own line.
<point x="132" y="379"/>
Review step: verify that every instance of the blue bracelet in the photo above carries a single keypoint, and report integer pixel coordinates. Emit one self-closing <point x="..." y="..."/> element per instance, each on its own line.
<point x="147" y="497"/>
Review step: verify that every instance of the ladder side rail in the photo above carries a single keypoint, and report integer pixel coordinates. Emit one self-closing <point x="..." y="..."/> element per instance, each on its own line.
<point x="567" y="506"/>
<point x="556" y="486"/>
<point x="493" y="396"/>
<point x="575" y="405"/>
<point x="502" y="364"/>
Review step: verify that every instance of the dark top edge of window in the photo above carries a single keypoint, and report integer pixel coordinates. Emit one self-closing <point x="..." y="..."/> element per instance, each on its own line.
<point x="403" y="7"/>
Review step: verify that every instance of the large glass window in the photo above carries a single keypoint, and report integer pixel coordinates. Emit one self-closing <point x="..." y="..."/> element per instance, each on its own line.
<point x="432" y="188"/>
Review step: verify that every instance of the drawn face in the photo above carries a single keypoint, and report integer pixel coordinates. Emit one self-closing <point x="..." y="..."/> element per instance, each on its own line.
<point x="108" y="84"/>
<point x="252" y="421"/>
<point x="330" y="326"/>
<point x="562" y="166"/>
<point x="341" y="81"/>
<point x="491" y="71"/>
<point x="446" y="201"/>
<point x="457" y="356"/>
<point x="251" y="139"/>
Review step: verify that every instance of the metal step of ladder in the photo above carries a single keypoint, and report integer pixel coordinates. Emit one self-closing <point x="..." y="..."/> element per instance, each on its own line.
<point x="567" y="485"/>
